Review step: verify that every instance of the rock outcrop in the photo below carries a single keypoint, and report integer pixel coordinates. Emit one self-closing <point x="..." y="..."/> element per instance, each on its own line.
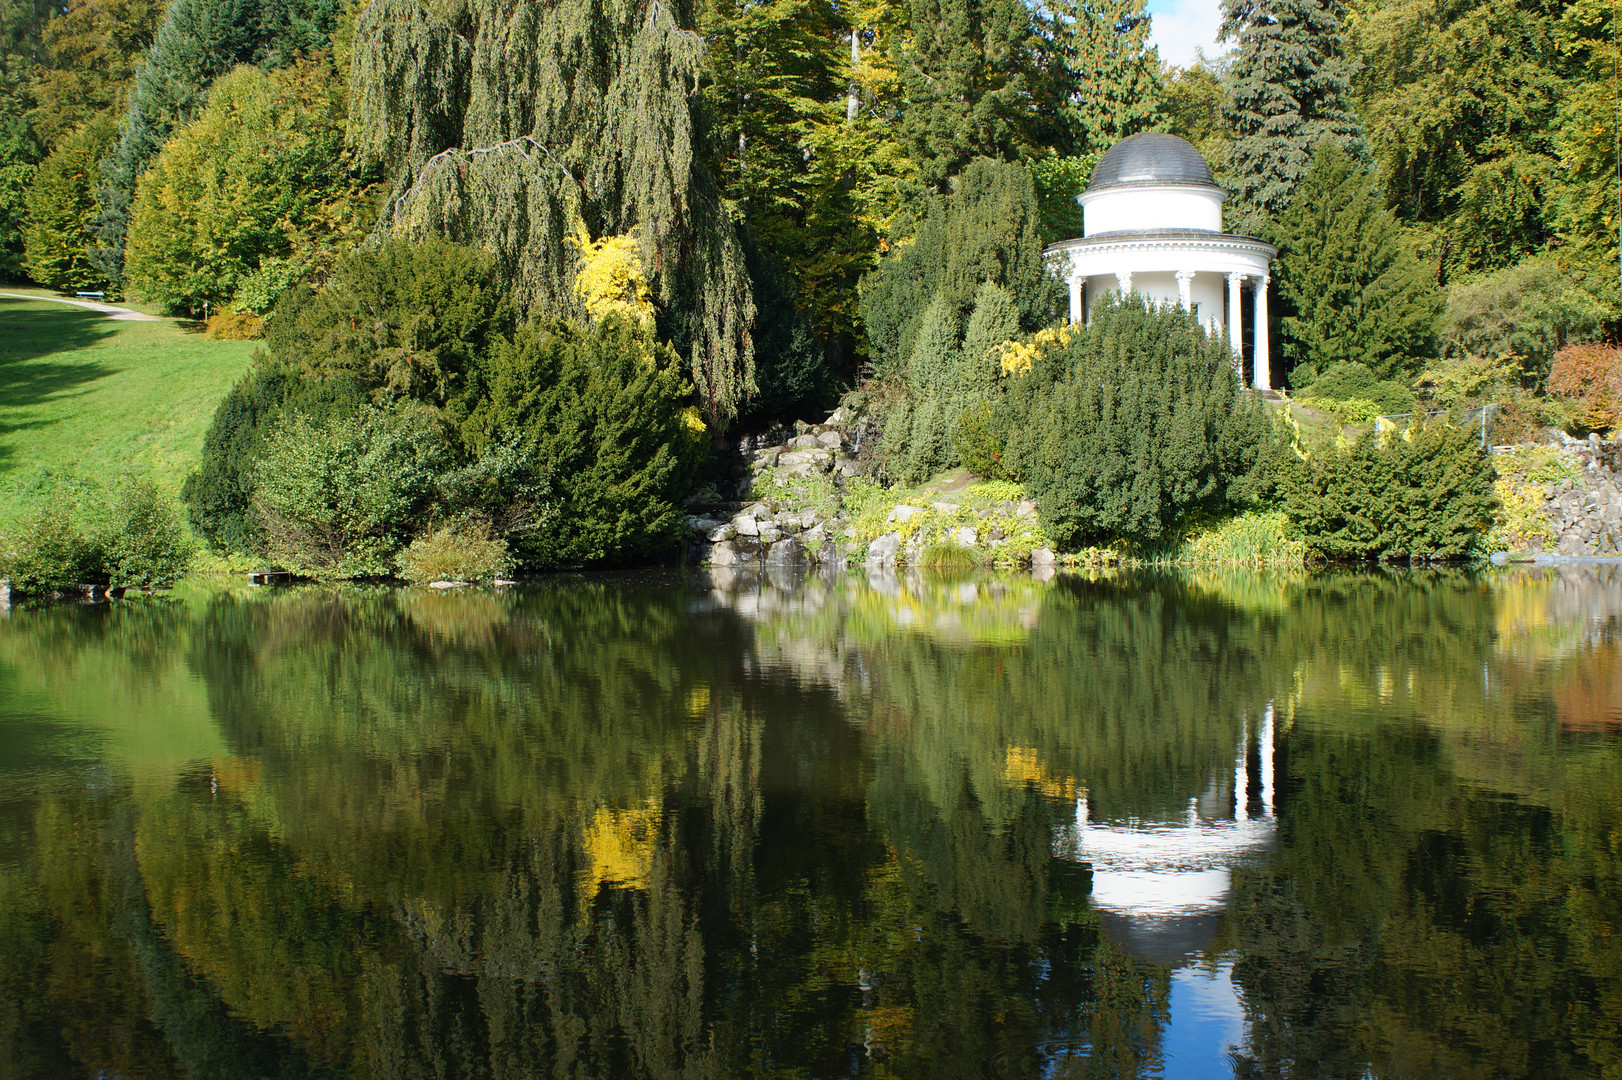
<point x="1586" y="514"/>
<point x="790" y="507"/>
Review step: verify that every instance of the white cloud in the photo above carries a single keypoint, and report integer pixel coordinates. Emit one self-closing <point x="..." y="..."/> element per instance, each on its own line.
<point x="1180" y="27"/>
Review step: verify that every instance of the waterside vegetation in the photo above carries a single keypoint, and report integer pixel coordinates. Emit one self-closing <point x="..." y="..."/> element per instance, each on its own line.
<point x="546" y="298"/>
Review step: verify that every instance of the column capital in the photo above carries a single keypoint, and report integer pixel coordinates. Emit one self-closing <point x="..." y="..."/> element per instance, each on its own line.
<point x="1237" y="278"/>
<point x="1261" y="281"/>
<point x="1185" y="289"/>
<point x="1124" y="279"/>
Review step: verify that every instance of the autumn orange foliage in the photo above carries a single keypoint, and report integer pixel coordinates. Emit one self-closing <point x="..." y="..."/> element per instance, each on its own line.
<point x="1591" y="376"/>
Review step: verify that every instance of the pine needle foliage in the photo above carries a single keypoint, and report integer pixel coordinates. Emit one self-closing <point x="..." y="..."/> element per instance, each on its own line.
<point x="989" y="228"/>
<point x="1422" y="494"/>
<point x="603" y="414"/>
<point x="506" y="124"/>
<point x="1137" y="421"/>
<point x="1288" y="89"/>
<point x="1103" y="75"/>
<point x="994" y="320"/>
<point x="1353" y="289"/>
<point x="966" y="74"/>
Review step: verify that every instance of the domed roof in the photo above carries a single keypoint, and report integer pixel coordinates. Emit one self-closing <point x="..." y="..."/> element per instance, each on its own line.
<point x="1151" y="158"/>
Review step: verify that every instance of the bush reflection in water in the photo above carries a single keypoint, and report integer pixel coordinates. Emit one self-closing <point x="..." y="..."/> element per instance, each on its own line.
<point x="661" y="827"/>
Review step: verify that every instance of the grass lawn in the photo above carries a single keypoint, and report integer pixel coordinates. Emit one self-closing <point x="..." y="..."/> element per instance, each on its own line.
<point x="84" y="399"/>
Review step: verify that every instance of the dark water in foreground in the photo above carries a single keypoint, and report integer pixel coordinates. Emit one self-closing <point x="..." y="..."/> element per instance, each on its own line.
<point x="1324" y="826"/>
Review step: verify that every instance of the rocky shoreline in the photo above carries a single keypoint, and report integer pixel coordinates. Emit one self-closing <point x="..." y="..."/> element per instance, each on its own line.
<point x="791" y="509"/>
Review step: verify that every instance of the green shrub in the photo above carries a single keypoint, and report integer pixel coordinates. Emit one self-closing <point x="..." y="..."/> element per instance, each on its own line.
<point x="1425" y="494"/>
<point x="1527" y="313"/>
<point x="1345" y="382"/>
<point x="146" y="545"/>
<point x="52" y="551"/>
<point x="403" y="319"/>
<point x="603" y="415"/>
<point x="219" y="495"/>
<point x="976" y="440"/>
<point x="1355" y="410"/>
<point x="339" y="499"/>
<point x="459" y="550"/>
<point x="1136" y="421"/>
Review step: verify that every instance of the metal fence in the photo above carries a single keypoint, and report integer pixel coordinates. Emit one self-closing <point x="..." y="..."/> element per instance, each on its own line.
<point x="1483" y="417"/>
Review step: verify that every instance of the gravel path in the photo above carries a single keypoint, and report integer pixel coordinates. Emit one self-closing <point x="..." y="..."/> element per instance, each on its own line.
<point x="112" y="311"/>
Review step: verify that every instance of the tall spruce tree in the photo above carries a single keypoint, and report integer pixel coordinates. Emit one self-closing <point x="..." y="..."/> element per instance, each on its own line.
<point x="1352" y="289"/>
<point x="506" y="125"/>
<point x="1289" y="85"/>
<point x="966" y="74"/>
<point x="1103" y="76"/>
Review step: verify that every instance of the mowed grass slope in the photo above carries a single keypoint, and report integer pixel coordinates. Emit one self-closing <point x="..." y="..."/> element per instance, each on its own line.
<point x="85" y="399"/>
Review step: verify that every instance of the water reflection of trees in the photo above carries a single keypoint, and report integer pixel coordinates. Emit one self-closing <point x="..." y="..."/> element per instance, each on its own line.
<point x="631" y="831"/>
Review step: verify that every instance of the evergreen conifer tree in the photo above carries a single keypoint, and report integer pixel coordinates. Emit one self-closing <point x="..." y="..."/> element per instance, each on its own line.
<point x="967" y="81"/>
<point x="995" y="319"/>
<point x="498" y="133"/>
<point x="1289" y="83"/>
<point x="988" y="229"/>
<point x="1352" y="287"/>
<point x="932" y="365"/>
<point x="1103" y="75"/>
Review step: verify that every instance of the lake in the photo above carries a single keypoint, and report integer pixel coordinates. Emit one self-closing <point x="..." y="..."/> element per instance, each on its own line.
<point x="1351" y="825"/>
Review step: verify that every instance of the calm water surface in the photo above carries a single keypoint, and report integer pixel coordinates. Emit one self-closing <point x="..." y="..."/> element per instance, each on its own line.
<point x="1186" y="827"/>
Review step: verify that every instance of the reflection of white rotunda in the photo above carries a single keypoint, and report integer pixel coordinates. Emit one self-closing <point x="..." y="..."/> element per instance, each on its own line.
<point x="1162" y="886"/>
<point x="1152" y="224"/>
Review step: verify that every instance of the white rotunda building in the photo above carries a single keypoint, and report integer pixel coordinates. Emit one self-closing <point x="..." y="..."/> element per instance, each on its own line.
<point x="1152" y="224"/>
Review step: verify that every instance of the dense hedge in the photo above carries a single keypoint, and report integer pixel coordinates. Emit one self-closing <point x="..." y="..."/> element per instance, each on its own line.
<point x="1426" y="493"/>
<point x="219" y="495"/>
<point x="605" y="439"/>
<point x="398" y="403"/>
<point x="1138" y="420"/>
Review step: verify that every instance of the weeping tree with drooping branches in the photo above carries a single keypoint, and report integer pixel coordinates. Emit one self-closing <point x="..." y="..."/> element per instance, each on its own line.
<point x="507" y="125"/>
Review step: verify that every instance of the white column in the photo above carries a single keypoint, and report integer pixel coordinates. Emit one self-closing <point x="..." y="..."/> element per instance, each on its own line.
<point x="1236" y="322"/>
<point x="1123" y="278"/>
<point x="1241" y="775"/>
<point x="1185" y="289"/>
<point x="1075" y="298"/>
<point x="1264" y="373"/>
<point x="1267" y="759"/>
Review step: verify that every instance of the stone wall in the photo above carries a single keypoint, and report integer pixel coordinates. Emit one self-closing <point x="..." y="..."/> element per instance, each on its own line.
<point x="1586" y="514"/>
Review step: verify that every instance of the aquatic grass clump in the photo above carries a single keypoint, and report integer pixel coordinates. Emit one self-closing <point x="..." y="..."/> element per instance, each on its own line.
<point x="1255" y="538"/>
<point x="460" y="550"/>
<point x="947" y="558"/>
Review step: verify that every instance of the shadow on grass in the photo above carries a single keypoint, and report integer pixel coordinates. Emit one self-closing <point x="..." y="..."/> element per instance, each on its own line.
<point x="38" y="365"/>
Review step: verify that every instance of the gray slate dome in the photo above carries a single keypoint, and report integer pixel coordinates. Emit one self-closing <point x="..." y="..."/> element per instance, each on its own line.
<point x="1151" y="158"/>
